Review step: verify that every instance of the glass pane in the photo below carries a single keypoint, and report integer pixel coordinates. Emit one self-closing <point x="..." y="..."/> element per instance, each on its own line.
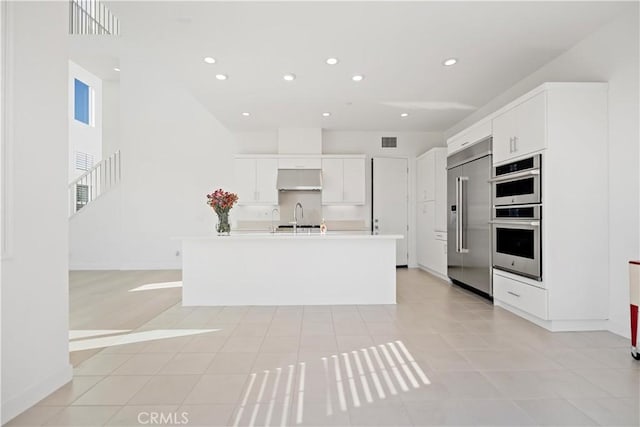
<point x="515" y="188"/>
<point x="81" y="104"/>
<point x="515" y="242"/>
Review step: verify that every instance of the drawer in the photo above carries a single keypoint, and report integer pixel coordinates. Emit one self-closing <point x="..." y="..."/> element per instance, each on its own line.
<point x="520" y="295"/>
<point x="469" y="136"/>
<point x="439" y="235"/>
<point x="300" y="163"/>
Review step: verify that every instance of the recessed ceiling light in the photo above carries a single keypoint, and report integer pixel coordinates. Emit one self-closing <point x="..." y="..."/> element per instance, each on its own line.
<point x="332" y="61"/>
<point x="357" y="78"/>
<point x="404" y="115"/>
<point x="327" y="114"/>
<point x="449" y="62"/>
<point x="289" y="77"/>
<point x="246" y="114"/>
<point x="221" y="76"/>
<point x="209" y="60"/>
<point x="116" y="69"/>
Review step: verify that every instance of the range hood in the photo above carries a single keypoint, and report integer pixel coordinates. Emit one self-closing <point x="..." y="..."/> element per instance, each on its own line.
<point x="299" y="179"/>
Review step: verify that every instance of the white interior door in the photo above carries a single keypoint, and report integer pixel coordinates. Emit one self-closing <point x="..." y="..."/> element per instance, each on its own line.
<point x="390" y="201"/>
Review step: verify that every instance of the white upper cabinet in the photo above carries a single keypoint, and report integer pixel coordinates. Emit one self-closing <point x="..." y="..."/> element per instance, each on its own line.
<point x="266" y="180"/>
<point x="245" y="180"/>
<point x="426" y="177"/>
<point x="255" y="181"/>
<point x="469" y="136"/>
<point x="343" y="181"/>
<point x="332" y="180"/>
<point x="353" y="177"/>
<point x="299" y="163"/>
<point x="520" y="130"/>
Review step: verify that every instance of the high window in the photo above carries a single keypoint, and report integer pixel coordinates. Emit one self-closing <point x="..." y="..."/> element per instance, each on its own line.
<point x="83" y="100"/>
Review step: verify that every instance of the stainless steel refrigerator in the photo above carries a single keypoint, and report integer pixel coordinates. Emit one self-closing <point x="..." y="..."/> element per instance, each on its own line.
<point x="468" y="216"/>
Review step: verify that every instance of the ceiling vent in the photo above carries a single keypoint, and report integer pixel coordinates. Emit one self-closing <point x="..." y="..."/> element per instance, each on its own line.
<point x="389" y="142"/>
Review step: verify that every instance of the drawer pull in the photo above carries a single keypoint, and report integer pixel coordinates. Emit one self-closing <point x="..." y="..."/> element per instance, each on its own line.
<point x="514" y="294"/>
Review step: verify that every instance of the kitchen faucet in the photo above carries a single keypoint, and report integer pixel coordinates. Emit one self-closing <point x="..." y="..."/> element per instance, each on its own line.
<point x="295" y="216"/>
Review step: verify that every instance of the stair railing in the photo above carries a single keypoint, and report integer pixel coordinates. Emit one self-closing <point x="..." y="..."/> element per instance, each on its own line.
<point x="94" y="182"/>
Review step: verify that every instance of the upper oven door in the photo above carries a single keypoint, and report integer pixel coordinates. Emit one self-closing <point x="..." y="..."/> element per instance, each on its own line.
<point x="520" y="190"/>
<point x="517" y="183"/>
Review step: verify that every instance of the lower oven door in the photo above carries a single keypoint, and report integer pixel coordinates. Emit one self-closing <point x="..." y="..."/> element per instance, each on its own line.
<point x="516" y="247"/>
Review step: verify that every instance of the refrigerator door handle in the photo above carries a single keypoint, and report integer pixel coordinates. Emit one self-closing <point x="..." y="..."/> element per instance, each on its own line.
<point x="458" y="215"/>
<point x="460" y="223"/>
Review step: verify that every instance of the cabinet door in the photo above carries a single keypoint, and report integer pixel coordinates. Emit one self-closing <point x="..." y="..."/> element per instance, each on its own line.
<point x="440" y="258"/>
<point x="332" y="181"/>
<point x="429" y="238"/>
<point x="424" y="233"/>
<point x="440" y="173"/>
<point x="353" y="181"/>
<point x="266" y="181"/>
<point x="504" y="130"/>
<point x="245" y="180"/>
<point x="300" y="163"/>
<point x="430" y="177"/>
<point x="531" y="134"/>
<point x="421" y="172"/>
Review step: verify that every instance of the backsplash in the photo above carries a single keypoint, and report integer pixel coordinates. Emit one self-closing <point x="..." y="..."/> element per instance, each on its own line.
<point x="311" y="203"/>
<point x="258" y="217"/>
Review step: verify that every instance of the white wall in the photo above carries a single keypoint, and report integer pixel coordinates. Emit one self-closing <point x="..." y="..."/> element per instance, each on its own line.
<point x="110" y="117"/>
<point x="174" y="152"/>
<point x="82" y="137"/>
<point x="611" y="55"/>
<point x="35" y="313"/>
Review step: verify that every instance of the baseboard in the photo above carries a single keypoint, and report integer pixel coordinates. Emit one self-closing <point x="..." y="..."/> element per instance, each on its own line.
<point x="434" y="273"/>
<point x="16" y="405"/>
<point x="557" y="325"/>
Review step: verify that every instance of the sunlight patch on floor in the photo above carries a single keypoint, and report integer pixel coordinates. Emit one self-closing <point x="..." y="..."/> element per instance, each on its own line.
<point x="76" y="334"/>
<point x="352" y="379"/>
<point x="154" y="286"/>
<point x="134" y="337"/>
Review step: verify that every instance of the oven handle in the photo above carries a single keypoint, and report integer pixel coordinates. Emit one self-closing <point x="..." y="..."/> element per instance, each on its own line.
<point x="460" y="224"/>
<point x="507" y="222"/>
<point x="516" y="175"/>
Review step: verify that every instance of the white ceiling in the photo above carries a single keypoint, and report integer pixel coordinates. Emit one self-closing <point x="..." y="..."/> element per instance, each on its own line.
<point x="399" y="47"/>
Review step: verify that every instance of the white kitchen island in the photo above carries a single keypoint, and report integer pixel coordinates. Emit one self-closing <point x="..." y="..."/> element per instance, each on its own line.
<point x="289" y="269"/>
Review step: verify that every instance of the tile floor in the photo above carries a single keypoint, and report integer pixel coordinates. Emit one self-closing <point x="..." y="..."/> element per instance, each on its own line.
<point x="441" y="356"/>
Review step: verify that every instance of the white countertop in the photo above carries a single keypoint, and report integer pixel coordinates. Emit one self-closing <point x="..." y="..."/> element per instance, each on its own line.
<point x="301" y="235"/>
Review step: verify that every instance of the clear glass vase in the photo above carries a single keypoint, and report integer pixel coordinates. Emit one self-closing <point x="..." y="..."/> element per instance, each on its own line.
<point x="223" y="227"/>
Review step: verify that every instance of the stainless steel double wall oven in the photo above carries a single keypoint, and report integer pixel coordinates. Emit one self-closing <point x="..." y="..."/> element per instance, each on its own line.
<point x="517" y="217"/>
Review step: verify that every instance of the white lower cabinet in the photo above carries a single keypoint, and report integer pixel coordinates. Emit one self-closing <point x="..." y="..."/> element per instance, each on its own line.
<point x="424" y="223"/>
<point x="525" y="297"/>
<point x="431" y="245"/>
<point x="440" y="254"/>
